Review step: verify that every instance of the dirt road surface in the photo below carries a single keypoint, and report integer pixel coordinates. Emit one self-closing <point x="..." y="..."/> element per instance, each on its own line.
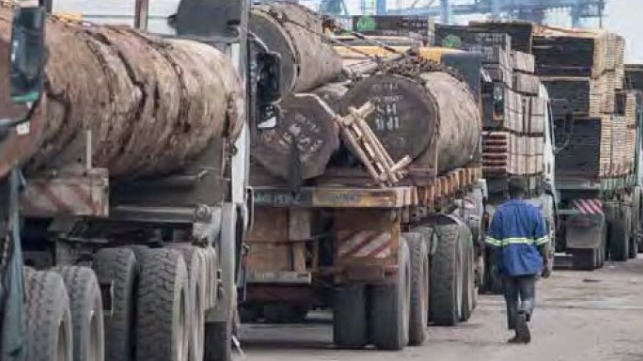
<point x="580" y="316"/>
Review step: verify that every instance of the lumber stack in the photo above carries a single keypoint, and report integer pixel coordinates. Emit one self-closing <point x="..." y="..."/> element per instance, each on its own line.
<point x="588" y="149"/>
<point x="513" y="113"/>
<point x="587" y="68"/>
<point x="584" y="66"/>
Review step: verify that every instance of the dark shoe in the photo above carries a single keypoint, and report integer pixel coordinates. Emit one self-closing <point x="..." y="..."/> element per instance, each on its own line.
<point x="514" y="340"/>
<point x="522" y="329"/>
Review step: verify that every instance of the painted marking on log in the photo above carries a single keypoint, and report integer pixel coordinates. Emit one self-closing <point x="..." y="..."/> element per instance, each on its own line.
<point x="364" y="244"/>
<point x="589" y="206"/>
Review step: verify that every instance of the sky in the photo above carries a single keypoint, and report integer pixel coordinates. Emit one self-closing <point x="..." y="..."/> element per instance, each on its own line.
<point x="626" y="17"/>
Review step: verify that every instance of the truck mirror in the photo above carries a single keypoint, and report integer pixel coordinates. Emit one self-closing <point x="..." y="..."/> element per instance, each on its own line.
<point x="498" y="99"/>
<point x="269" y="117"/>
<point x="28" y="54"/>
<point x="269" y="86"/>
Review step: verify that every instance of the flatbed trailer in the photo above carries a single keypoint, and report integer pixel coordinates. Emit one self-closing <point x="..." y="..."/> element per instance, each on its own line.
<point x="387" y="261"/>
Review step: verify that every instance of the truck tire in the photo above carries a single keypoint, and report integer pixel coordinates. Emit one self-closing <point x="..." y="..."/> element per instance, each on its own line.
<point x="86" y="312"/>
<point x="619" y="235"/>
<point x="446" y="278"/>
<point x="349" y="316"/>
<point x="49" y="325"/>
<point x="634" y="244"/>
<point x="196" y="264"/>
<point x="212" y="274"/>
<point x="390" y="306"/>
<point x="428" y="234"/>
<point x="468" y="286"/>
<point x="116" y="269"/>
<point x="162" y="327"/>
<point x="603" y="251"/>
<point x="636" y="222"/>
<point x="419" y="311"/>
<point x="634" y="247"/>
<point x="218" y="341"/>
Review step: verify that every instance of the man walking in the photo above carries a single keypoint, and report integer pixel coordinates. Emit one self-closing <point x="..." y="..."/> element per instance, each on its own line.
<point x="518" y="242"/>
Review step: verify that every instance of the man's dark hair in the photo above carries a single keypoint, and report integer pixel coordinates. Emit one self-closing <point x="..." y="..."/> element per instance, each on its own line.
<point x="516" y="188"/>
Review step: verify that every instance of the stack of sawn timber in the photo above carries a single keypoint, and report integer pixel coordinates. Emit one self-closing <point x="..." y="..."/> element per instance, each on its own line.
<point x="587" y="69"/>
<point x="513" y="112"/>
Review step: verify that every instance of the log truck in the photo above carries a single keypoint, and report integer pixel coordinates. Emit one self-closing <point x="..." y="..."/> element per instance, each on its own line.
<point x="123" y="191"/>
<point x="341" y="223"/>
<point x="388" y="259"/>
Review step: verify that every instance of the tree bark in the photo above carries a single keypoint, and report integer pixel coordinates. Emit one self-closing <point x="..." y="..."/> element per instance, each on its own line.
<point x="151" y="104"/>
<point x="293" y="31"/>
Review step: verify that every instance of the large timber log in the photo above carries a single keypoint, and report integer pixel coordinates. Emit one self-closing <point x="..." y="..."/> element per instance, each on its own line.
<point x="414" y="112"/>
<point x="293" y="31"/>
<point x="151" y="104"/>
<point x="308" y="119"/>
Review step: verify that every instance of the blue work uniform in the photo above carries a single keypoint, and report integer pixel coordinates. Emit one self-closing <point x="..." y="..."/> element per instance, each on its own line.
<point x="516" y="231"/>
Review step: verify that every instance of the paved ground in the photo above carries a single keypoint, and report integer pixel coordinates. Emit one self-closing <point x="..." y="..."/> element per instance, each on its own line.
<point x="588" y="316"/>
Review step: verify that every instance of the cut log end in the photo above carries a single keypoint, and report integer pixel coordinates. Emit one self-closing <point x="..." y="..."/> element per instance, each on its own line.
<point x="308" y="120"/>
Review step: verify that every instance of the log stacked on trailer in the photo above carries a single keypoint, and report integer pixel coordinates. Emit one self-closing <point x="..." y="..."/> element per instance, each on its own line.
<point x="292" y="30"/>
<point x="151" y="105"/>
<point x="415" y="116"/>
<point x="306" y="136"/>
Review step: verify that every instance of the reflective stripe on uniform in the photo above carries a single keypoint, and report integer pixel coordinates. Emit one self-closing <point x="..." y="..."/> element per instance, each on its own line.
<point x="541" y="241"/>
<point x="492" y="241"/>
<point x="515" y="240"/>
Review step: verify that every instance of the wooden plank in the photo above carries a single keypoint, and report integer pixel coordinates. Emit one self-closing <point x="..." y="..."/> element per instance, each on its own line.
<point x="526" y="84"/>
<point x="523" y="62"/>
